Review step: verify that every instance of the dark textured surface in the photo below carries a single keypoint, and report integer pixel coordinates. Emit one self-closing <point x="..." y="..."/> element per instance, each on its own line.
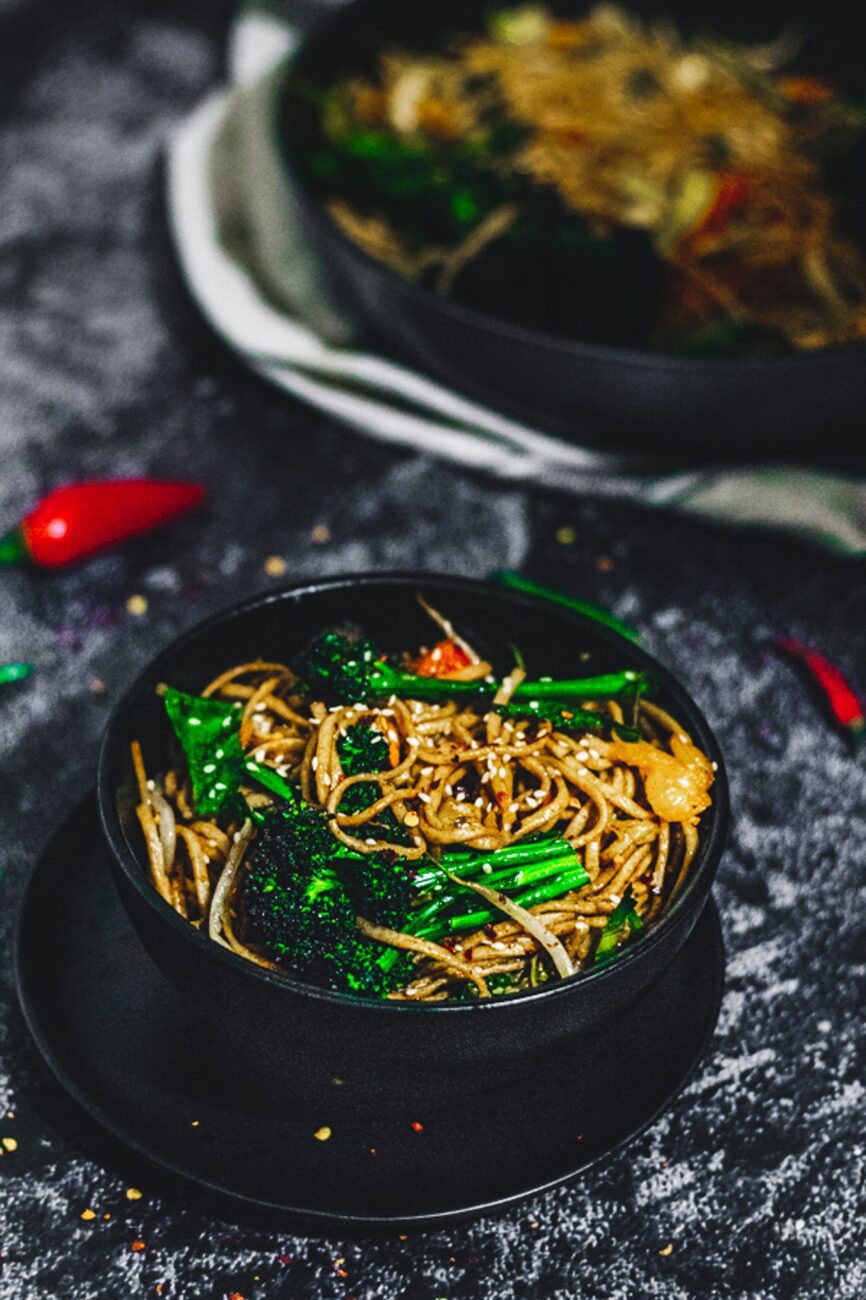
<point x="756" y="1177"/>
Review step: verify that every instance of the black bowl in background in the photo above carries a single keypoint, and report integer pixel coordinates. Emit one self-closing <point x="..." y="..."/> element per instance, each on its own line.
<point x="286" y="1037"/>
<point x="809" y="403"/>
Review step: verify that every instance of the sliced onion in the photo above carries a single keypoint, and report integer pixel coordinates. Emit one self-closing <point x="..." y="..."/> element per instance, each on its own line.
<point x="531" y="923"/>
<point x="226" y="880"/>
<point x="448" y="628"/>
<point x="167" y="830"/>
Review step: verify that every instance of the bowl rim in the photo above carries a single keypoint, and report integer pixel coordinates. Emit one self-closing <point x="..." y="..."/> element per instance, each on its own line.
<point x="700" y="880"/>
<point x="600" y="354"/>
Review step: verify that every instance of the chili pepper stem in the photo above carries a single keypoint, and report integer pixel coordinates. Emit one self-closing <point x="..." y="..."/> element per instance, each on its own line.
<point x="13" y="549"/>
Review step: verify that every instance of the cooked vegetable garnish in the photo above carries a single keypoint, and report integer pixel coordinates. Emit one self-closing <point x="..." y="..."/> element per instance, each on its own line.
<point x="395" y="833"/>
<point x="343" y="667"/>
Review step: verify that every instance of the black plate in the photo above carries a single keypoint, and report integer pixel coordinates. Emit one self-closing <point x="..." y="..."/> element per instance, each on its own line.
<point x="117" y="1039"/>
<point x="580" y="389"/>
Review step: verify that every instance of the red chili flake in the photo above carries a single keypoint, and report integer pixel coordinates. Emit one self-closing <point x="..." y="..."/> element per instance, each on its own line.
<point x="845" y="704"/>
<point x="136" y="1246"/>
<point x="284" y="1259"/>
<point x="416" y="1127"/>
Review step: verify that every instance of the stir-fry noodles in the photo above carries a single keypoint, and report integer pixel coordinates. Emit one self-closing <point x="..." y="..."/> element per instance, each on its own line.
<point x="608" y="177"/>
<point x="421" y="827"/>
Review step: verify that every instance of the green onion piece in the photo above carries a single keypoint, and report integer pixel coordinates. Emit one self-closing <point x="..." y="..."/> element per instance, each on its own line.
<point x="542" y="893"/>
<point x="515" y="581"/>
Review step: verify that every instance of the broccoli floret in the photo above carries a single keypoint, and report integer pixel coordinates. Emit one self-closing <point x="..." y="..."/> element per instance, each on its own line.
<point x="363" y="749"/>
<point x="301" y="896"/>
<point x="381" y="890"/>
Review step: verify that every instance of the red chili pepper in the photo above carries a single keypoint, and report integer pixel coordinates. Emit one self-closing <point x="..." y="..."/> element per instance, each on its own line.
<point x="445" y="658"/>
<point x="845" y="704"/>
<point x="76" y="521"/>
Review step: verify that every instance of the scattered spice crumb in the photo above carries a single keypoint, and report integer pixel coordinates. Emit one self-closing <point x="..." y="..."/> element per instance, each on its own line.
<point x="373" y="1151"/>
<point x="195" y="1123"/>
<point x="97" y="686"/>
<point x="10" y="1114"/>
<point x="666" y="1250"/>
<point x="133" y="1194"/>
<point x="275" y="566"/>
<point x="321" y="534"/>
<point x="322" y="1134"/>
<point x="10" y="1144"/>
<point x="566" y="536"/>
<point x="416" y="1127"/>
<point x="106" y="1216"/>
<point x="338" y="1267"/>
<point x="235" y="1295"/>
<point x="88" y="1214"/>
<point x="137" y="605"/>
<point x="136" y="1246"/>
<point x="604" y="564"/>
<point x="403" y="1236"/>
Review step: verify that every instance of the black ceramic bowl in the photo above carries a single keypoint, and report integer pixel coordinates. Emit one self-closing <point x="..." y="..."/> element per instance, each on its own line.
<point x="809" y="402"/>
<point x="296" y="1038"/>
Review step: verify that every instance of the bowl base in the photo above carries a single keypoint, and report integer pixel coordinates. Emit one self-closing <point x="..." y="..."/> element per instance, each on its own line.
<point x="117" y="1039"/>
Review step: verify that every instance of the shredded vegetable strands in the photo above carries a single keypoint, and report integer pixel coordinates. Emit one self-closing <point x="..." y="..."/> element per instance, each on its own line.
<point x="531" y="923"/>
<point x="226" y="880"/>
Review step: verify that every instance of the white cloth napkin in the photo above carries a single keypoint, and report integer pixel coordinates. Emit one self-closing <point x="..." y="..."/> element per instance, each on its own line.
<point x="239" y="246"/>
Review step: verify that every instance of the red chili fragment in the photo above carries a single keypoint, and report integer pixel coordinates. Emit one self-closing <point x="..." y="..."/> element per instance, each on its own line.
<point x="844" y="702"/>
<point x="416" y="1127"/>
